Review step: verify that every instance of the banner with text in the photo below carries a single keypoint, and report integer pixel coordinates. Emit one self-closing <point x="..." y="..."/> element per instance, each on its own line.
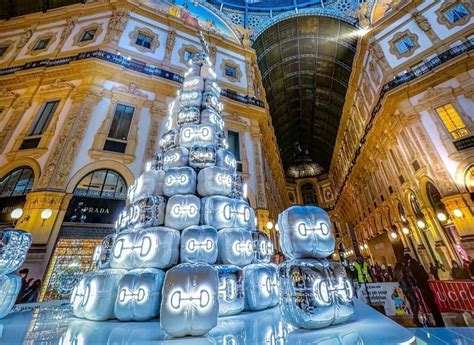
<point x="389" y="295"/>
<point x="454" y="296"/>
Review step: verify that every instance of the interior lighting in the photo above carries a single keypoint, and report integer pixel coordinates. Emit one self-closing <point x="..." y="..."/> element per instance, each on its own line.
<point x="405" y="230"/>
<point x="421" y="224"/>
<point x="393" y="235"/>
<point x="269" y="225"/>
<point x="458" y="213"/>
<point x="442" y="216"/>
<point x="16" y="213"/>
<point x="46" y="213"/>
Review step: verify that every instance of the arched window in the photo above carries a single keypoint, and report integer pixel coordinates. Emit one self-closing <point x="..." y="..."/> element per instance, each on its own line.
<point x="401" y="212"/>
<point x="103" y="184"/>
<point x="17" y="182"/>
<point x="415" y="206"/>
<point x="309" y="194"/>
<point x="469" y="181"/>
<point x="434" y="196"/>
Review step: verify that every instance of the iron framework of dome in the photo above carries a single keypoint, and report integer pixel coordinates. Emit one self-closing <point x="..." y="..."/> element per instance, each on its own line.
<point x="306" y="62"/>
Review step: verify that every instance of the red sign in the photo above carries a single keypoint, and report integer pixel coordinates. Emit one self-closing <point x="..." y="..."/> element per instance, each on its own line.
<point x="453" y="296"/>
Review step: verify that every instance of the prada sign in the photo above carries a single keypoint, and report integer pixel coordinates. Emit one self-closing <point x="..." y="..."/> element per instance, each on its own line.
<point x="92" y="210"/>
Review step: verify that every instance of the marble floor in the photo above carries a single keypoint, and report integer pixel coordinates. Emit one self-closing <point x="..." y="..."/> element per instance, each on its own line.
<point x="56" y="325"/>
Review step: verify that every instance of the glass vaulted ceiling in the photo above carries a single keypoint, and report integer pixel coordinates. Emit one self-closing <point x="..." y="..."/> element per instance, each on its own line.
<point x="306" y="63"/>
<point x="269" y="4"/>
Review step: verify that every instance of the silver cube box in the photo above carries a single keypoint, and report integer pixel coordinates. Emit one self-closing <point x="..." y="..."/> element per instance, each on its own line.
<point x="202" y="156"/>
<point x="150" y="183"/>
<point x="188" y="116"/>
<point x="190" y="135"/>
<point x="231" y="290"/>
<point x="169" y="140"/>
<point x="179" y="181"/>
<point x="193" y="84"/>
<point x="94" y="297"/>
<point x="10" y="285"/>
<point x="151" y="212"/>
<point x="211" y="100"/>
<point x="14" y="246"/>
<point x="199" y="244"/>
<point x="176" y="158"/>
<point x="182" y="211"/>
<point x="235" y="247"/>
<point x="262" y="247"/>
<point x="190" y="98"/>
<point x="147" y="248"/>
<point x="214" y="181"/>
<point x="190" y="303"/>
<point x="226" y="159"/>
<point x="210" y="85"/>
<point x="212" y="117"/>
<point x="315" y="293"/>
<point x="139" y="295"/>
<point x="306" y="232"/>
<point x="223" y="212"/>
<point x="260" y="286"/>
<point x="105" y="251"/>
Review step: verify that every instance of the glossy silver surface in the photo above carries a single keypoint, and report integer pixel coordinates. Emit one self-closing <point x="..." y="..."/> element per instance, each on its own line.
<point x="10" y="285"/>
<point x="14" y="245"/>
<point x="175" y="158"/>
<point x="190" y="135"/>
<point x="188" y="116"/>
<point x="139" y="295"/>
<point x="147" y="248"/>
<point x="214" y="181"/>
<point x="105" y="251"/>
<point x="211" y="117"/>
<point x="182" y="211"/>
<point x="260" y="286"/>
<point x="179" y="181"/>
<point x="202" y="156"/>
<point x="190" y="99"/>
<point x="231" y="290"/>
<point x="190" y="303"/>
<point x="226" y="159"/>
<point x="262" y="247"/>
<point x="150" y="183"/>
<point x="94" y="297"/>
<point x="199" y="244"/>
<point x="306" y="232"/>
<point x="169" y="140"/>
<point x="235" y="247"/>
<point x="222" y="212"/>
<point x="314" y="293"/>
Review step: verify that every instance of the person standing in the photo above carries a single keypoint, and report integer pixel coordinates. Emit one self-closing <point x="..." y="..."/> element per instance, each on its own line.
<point x="407" y="286"/>
<point x="421" y="278"/>
<point x="458" y="272"/>
<point x="434" y="271"/>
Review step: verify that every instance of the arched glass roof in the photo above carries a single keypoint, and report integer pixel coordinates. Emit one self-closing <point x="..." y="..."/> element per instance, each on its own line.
<point x="269" y="4"/>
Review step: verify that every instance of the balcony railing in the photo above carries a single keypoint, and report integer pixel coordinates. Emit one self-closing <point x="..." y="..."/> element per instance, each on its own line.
<point x="464" y="143"/>
<point x="132" y="64"/>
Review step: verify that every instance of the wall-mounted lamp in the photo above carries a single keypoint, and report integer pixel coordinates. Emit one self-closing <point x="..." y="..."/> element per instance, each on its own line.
<point x="421" y="224"/>
<point x="458" y="213"/>
<point x="406" y="230"/>
<point x="441" y="216"/>
<point x="393" y="234"/>
<point x="277" y="228"/>
<point x="46" y="214"/>
<point x="269" y="225"/>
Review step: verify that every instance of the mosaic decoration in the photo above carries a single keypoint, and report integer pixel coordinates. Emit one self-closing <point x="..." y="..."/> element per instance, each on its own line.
<point x="209" y="228"/>
<point x="14" y="245"/>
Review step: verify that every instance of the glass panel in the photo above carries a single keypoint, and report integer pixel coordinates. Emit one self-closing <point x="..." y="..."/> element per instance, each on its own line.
<point x="121" y="122"/>
<point x="234" y="144"/>
<point x="144" y="40"/>
<point x="455" y="13"/>
<point x="121" y="189"/>
<point x="23" y="182"/>
<point x="3" y="49"/>
<point x="44" y="118"/>
<point x="83" y="186"/>
<point x="110" y="184"/>
<point x="187" y="55"/>
<point x="16" y="183"/>
<point x="452" y="121"/>
<point x="41" y="44"/>
<point x="97" y="183"/>
<point x="88" y="35"/>
<point x="10" y="186"/>
<point x="309" y="194"/>
<point x="230" y="71"/>
<point x="404" y="44"/>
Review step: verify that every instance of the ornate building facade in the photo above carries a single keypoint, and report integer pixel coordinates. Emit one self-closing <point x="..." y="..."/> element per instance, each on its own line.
<point x="84" y="94"/>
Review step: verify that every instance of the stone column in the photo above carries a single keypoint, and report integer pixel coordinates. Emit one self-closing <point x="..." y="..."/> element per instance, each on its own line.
<point x="464" y="224"/>
<point x="20" y="106"/>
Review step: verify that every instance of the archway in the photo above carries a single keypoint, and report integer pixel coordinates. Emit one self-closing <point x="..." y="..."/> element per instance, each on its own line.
<point x="14" y="187"/>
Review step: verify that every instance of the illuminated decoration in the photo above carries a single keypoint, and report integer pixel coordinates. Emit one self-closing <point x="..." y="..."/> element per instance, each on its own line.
<point x="146" y="212"/>
<point x="147" y="248"/>
<point x="199" y="244"/>
<point x="105" y="251"/>
<point x="211" y="100"/>
<point x="226" y="159"/>
<point x="169" y="140"/>
<point x="193" y="84"/>
<point x="94" y="297"/>
<point x="150" y="183"/>
<point x="222" y="212"/>
<point x="175" y="158"/>
<point x="214" y="181"/>
<point x="188" y="116"/>
<point x="10" y="285"/>
<point x="314" y="293"/>
<point x="210" y="116"/>
<point x="179" y="181"/>
<point x="190" y="99"/>
<point x="190" y="135"/>
<point x="139" y="295"/>
<point x="202" y="156"/>
<point x="260" y="286"/>
<point x="190" y="304"/>
<point x="14" y="245"/>
<point x="235" y="247"/>
<point x="182" y="211"/>
<point x="262" y="247"/>
<point x="306" y="231"/>
<point x="238" y="186"/>
<point x="231" y="290"/>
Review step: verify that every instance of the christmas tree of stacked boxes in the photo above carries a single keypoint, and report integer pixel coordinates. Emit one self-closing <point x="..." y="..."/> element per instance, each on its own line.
<point x="185" y="249"/>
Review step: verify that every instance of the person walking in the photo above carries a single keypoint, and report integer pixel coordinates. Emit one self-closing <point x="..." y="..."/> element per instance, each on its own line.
<point x="421" y="277"/>
<point x="407" y="285"/>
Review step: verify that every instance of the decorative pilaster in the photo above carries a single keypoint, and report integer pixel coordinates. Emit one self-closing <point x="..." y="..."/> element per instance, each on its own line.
<point x="170" y="42"/>
<point x="117" y="24"/>
<point x="19" y="108"/>
<point x="157" y="113"/>
<point x="259" y="174"/>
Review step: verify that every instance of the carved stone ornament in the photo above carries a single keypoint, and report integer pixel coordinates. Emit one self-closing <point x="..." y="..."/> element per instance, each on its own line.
<point x="422" y="22"/>
<point x="131" y="89"/>
<point x="170" y="42"/>
<point x="116" y="25"/>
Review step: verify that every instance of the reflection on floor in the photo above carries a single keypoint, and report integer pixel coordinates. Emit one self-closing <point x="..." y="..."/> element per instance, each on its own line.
<point x="55" y="325"/>
<point x="444" y="336"/>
